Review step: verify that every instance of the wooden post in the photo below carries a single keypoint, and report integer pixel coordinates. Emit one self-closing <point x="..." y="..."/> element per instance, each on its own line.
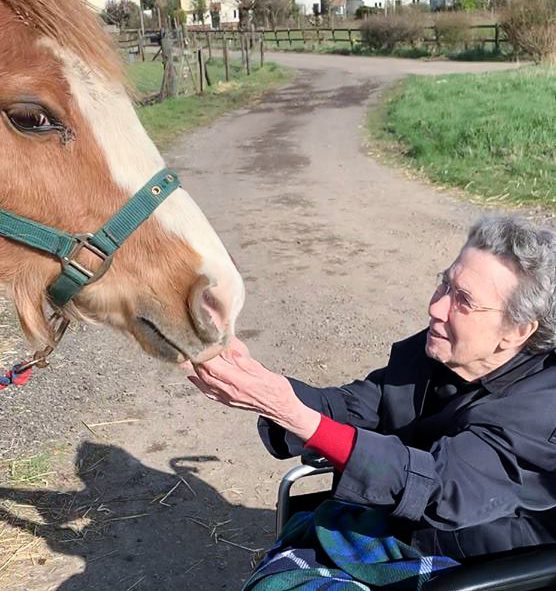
<point x="169" y="80"/>
<point x="276" y="38"/>
<point x="262" y="50"/>
<point x="207" y="77"/>
<point x="247" y="57"/>
<point x="242" y="48"/>
<point x="179" y="35"/>
<point x="226" y="60"/>
<point x="141" y="42"/>
<point x="497" y="37"/>
<point x="201" y="70"/>
<point x="191" y="73"/>
<point x="350" y="39"/>
<point x="209" y="47"/>
<point x="289" y="36"/>
<point x="142" y="17"/>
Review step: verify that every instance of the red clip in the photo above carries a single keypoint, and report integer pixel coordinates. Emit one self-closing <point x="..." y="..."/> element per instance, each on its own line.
<point x="15" y="377"/>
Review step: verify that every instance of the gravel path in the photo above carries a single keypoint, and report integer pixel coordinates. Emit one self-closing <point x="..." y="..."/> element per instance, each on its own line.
<point x="339" y="255"/>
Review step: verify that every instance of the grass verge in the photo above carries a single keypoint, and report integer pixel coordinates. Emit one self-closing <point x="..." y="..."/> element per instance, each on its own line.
<point x="490" y="134"/>
<point x="165" y="121"/>
<point x="472" y="54"/>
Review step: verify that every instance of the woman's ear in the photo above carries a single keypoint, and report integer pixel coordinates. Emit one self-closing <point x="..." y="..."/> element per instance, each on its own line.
<point x="518" y="334"/>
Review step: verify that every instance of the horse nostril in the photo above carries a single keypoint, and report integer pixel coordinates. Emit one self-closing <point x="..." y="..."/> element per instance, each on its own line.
<point x="209" y="301"/>
<point x="206" y="311"/>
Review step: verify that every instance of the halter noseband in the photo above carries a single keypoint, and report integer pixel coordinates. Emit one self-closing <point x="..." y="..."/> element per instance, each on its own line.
<point x="103" y="243"/>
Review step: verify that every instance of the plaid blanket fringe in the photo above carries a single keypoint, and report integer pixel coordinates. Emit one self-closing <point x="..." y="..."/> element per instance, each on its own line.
<point x="342" y="547"/>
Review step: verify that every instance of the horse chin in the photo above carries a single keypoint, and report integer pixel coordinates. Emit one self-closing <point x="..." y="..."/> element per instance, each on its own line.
<point x="157" y="343"/>
<point x="154" y="342"/>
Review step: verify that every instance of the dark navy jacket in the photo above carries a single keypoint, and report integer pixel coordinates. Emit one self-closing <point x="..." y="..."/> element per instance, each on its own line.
<point x="461" y="475"/>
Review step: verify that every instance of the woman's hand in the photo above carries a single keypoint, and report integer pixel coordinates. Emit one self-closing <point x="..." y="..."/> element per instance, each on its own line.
<point x="236" y="379"/>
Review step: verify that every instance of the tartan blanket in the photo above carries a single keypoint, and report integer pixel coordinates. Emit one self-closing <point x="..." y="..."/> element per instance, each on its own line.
<point x="342" y="547"/>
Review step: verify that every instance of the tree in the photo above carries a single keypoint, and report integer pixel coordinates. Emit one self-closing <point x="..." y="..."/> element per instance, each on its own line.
<point x="119" y="12"/>
<point x="166" y="7"/>
<point x="245" y="12"/>
<point x="272" y="13"/>
<point x="199" y="10"/>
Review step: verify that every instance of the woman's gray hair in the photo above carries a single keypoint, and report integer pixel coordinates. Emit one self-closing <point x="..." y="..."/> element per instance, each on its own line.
<point x="532" y="251"/>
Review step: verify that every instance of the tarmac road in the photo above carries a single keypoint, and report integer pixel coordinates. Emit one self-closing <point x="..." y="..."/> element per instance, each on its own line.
<point x="339" y="255"/>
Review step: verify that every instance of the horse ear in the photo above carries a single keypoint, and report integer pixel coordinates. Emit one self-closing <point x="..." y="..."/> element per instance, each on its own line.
<point x="29" y="299"/>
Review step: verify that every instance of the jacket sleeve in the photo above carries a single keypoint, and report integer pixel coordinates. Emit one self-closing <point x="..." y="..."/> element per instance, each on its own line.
<point x="355" y="404"/>
<point x="499" y="462"/>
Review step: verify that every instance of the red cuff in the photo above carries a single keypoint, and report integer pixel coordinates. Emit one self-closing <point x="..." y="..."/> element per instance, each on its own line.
<point x="335" y="441"/>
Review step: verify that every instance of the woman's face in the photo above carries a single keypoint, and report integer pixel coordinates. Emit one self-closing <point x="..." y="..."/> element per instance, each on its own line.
<point x="467" y="323"/>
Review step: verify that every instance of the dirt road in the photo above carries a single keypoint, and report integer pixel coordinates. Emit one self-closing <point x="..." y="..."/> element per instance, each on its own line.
<point x="339" y="256"/>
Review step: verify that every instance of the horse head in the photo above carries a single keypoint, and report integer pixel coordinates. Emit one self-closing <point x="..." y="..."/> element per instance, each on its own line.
<point x="72" y="154"/>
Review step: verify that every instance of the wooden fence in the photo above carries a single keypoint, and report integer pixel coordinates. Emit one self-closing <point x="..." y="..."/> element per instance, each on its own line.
<point x="480" y="35"/>
<point x="133" y="42"/>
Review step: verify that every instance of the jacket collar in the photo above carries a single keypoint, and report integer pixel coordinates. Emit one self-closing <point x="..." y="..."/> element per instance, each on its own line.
<point x="499" y="380"/>
<point x="518" y="367"/>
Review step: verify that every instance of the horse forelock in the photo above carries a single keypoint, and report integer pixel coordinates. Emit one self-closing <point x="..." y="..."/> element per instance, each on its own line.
<point x="74" y="27"/>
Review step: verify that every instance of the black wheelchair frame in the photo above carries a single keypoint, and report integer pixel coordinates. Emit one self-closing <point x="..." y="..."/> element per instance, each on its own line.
<point x="527" y="569"/>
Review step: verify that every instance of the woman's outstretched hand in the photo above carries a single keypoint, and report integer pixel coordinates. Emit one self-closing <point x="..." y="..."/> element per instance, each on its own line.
<point x="236" y="379"/>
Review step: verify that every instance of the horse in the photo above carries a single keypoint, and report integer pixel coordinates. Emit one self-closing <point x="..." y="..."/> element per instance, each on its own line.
<point x="93" y="226"/>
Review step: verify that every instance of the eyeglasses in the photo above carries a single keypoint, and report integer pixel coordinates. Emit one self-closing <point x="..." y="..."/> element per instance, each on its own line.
<point x="459" y="299"/>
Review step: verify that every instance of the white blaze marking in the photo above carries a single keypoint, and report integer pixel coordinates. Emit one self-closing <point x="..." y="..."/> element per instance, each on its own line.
<point x="133" y="159"/>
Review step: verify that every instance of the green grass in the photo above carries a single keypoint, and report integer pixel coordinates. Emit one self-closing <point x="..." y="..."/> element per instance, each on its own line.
<point x="29" y="471"/>
<point x="146" y="76"/>
<point x="491" y="134"/>
<point x="167" y="120"/>
<point x="476" y="53"/>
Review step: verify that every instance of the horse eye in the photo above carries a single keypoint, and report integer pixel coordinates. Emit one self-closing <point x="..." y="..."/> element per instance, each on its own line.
<point x="31" y="118"/>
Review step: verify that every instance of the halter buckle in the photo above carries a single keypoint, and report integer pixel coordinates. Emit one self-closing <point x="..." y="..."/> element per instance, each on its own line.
<point x="84" y="242"/>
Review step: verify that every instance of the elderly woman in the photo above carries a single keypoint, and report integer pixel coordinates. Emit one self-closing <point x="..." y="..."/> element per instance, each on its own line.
<point x="454" y="441"/>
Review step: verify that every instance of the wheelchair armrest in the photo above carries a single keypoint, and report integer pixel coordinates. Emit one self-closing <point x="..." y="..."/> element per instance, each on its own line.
<point x="284" y="500"/>
<point x="312" y="459"/>
<point x="525" y="570"/>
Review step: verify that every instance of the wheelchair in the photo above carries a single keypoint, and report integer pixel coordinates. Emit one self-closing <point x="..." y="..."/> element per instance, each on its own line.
<point x="526" y="569"/>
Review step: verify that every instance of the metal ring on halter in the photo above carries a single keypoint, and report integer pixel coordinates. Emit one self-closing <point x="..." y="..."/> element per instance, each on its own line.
<point x="60" y="325"/>
<point x="84" y="243"/>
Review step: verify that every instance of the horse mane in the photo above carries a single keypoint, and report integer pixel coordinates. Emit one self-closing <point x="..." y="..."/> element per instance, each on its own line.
<point x="74" y="27"/>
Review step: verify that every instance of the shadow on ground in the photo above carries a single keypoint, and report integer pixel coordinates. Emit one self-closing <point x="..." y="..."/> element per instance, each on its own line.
<point x="130" y="536"/>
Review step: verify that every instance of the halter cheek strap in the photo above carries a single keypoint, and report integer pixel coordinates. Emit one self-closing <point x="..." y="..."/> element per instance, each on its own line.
<point x="102" y="244"/>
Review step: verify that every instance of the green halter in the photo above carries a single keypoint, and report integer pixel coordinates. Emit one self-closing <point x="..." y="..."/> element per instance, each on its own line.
<point x="102" y="243"/>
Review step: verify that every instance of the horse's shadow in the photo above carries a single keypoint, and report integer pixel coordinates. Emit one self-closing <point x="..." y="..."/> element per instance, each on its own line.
<point x="131" y="536"/>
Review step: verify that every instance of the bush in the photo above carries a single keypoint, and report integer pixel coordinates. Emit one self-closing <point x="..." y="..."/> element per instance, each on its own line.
<point x="472" y="5"/>
<point x="364" y="11"/>
<point x="384" y="33"/>
<point x="530" y="26"/>
<point x="452" y="29"/>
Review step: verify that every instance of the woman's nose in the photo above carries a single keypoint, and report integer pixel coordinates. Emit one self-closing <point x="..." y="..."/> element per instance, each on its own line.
<point x="439" y="307"/>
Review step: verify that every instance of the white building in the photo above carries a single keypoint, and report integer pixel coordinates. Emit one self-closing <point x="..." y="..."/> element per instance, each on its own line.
<point x="393" y="4"/>
<point x="223" y="14"/>
<point x="306" y="6"/>
<point x="99" y="5"/>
